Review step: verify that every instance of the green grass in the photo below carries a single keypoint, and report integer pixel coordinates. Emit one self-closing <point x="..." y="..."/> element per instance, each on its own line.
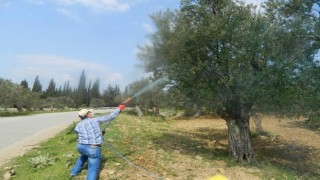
<point x="58" y="148"/>
<point x="25" y="113"/>
<point x="9" y="114"/>
<point x="152" y="143"/>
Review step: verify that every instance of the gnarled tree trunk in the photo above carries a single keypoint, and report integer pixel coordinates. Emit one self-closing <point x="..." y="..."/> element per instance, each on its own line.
<point x="240" y="145"/>
<point x="239" y="139"/>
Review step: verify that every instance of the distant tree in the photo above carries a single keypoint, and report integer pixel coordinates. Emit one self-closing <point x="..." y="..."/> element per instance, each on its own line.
<point x="126" y="92"/>
<point x="82" y="92"/>
<point x="117" y="89"/>
<point x="37" y="87"/>
<point x="58" y="103"/>
<point x="14" y="95"/>
<point x="25" y="99"/>
<point x="124" y="95"/>
<point x="97" y="102"/>
<point x="8" y="91"/>
<point x="95" y="90"/>
<point x="17" y="96"/>
<point x="109" y="95"/>
<point x="67" y="90"/>
<point x="51" y="90"/>
<point x="88" y="97"/>
<point x="24" y="84"/>
<point x="59" y="91"/>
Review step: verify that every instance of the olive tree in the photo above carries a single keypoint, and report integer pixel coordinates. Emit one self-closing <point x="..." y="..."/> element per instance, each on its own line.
<point x="14" y="95"/>
<point x="228" y="58"/>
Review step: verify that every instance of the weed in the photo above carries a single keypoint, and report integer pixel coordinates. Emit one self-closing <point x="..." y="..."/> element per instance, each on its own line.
<point x="41" y="161"/>
<point x="69" y="159"/>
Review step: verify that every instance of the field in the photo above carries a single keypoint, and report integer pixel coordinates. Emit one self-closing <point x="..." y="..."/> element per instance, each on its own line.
<point x="184" y="148"/>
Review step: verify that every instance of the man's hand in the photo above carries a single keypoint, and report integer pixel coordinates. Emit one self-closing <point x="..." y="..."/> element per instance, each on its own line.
<point x="121" y="107"/>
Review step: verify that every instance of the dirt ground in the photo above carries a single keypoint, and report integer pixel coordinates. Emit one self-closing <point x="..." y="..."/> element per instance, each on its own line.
<point x="283" y="142"/>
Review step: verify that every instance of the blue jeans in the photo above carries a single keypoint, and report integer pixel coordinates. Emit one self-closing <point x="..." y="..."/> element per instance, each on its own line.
<point x="90" y="154"/>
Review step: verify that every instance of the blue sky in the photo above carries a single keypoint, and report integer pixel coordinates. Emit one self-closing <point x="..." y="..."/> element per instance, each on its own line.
<point x="57" y="39"/>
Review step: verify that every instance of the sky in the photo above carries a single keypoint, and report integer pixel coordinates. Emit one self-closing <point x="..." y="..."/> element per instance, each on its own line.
<point x="58" y="39"/>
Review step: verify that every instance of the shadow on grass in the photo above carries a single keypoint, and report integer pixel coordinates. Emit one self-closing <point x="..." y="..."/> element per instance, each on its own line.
<point x="312" y="125"/>
<point x="205" y="142"/>
<point x="288" y="156"/>
<point x="212" y="144"/>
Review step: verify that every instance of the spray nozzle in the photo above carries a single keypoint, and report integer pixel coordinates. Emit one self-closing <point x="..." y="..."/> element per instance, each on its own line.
<point x="147" y="88"/>
<point x="127" y="100"/>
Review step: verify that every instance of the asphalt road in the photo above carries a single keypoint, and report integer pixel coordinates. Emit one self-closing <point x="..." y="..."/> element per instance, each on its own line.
<point x="22" y="133"/>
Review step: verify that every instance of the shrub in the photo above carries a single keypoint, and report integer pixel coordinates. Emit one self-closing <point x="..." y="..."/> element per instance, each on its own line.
<point x="314" y="121"/>
<point x="41" y="161"/>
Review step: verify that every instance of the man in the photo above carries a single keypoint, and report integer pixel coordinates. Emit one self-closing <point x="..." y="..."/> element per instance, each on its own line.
<point x="90" y="138"/>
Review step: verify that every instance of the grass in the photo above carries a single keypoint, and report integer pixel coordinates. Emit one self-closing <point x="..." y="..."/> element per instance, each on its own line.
<point x="25" y="113"/>
<point x="160" y="147"/>
<point x="9" y="114"/>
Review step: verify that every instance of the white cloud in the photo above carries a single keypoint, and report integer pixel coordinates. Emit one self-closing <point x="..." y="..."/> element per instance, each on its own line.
<point x="98" y="5"/>
<point x="70" y="15"/>
<point x="63" y="69"/>
<point x="5" y="3"/>
<point x="114" y="77"/>
<point x="38" y="2"/>
<point x="148" y="27"/>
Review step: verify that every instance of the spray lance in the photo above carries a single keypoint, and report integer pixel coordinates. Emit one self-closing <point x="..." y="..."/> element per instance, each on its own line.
<point x="145" y="89"/>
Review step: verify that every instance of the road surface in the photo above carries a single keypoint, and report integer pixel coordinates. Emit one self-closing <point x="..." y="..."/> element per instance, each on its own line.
<point x="21" y="133"/>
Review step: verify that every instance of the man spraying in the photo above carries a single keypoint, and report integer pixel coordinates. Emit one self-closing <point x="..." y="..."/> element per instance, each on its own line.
<point x="90" y="138"/>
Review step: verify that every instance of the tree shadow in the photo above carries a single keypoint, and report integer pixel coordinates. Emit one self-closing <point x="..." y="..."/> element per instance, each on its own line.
<point x="212" y="144"/>
<point x="305" y="124"/>
<point x="205" y="142"/>
<point x="288" y="155"/>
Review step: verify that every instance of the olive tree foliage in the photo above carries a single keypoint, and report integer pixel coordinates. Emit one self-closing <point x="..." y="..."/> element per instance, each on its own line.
<point x="97" y="102"/>
<point x="110" y="95"/>
<point x="7" y="91"/>
<point x="304" y="17"/>
<point x="301" y="18"/>
<point x="14" y="95"/>
<point x="58" y="103"/>
<point x="227" y="58"/>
